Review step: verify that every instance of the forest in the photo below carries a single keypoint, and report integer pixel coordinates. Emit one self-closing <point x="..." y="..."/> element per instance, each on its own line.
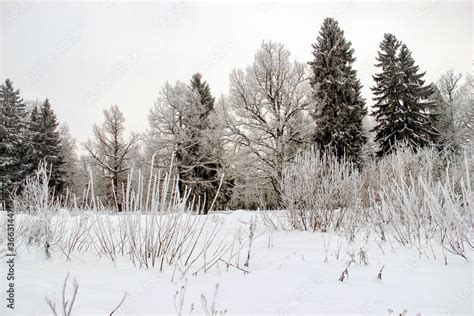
<point x="276" y="108"/>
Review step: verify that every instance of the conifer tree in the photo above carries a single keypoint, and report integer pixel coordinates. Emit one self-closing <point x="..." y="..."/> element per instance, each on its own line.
<point x="201" y="153"/>
<point x="184" y="125"/>
<point x="12" y="140"/>
<point x="339" y="106"/>
<point x="45" y="144"/>
<point x="403" y="111"/>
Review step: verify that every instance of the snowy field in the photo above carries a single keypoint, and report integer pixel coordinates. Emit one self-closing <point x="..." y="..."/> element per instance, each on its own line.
<point x="289" y="272"/>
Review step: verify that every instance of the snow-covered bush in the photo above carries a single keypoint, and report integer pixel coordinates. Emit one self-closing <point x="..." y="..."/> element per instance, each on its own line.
<point x="318" y="190"/>
<point x="413" y="196"/>
<point x="36" y="199"/>
<point x="159" y="227"/>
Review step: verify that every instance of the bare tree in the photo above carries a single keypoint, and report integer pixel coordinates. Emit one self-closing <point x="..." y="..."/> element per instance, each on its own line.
<point x="110" y="152"/>
<point x="266" y="112"/>
<point x="465" y="110"/>
<point x="456" y="109"/>
<point x="448" y="85"/>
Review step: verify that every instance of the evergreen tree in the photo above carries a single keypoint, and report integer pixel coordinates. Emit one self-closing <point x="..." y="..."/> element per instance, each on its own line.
<point x="45" y="144"/>
<point x="402" y="108"/>
<point x="340" y="108"/>
<point x="12" y="140"/>
<point x="201" y="152"/>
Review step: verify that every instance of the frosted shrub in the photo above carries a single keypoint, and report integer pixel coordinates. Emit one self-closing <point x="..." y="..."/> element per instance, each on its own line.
<point x="36" y="199"/>
<point x="318" y="190"/>
<point x="424" y="195"/>
<point x="158" y="228"/>
<point x="416" y="197"/>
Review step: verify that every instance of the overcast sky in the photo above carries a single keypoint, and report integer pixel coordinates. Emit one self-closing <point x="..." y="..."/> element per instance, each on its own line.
<point x="86" y="56"/>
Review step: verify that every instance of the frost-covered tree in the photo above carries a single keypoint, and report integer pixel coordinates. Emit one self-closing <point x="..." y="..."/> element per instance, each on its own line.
<point x="12" y="140"/>
<point x="452" y="106"/>
<point x="339" y="106"/>
<point x="110" y="153"/>
<point x="444" y="122"/>
<point x="403" y="109"/>
<point x="72" y="179"/>
<point x="203" y="150"/>
<point x="167" y="120"/>
<point x="45" y="145"/>
<point x="464" y="112"/>
<point x="266" y="113"/>
<point x="183" y="124"/>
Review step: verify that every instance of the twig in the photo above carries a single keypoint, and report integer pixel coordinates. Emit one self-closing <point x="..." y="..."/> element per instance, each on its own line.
<point x="379" y="276"/>
<point x="120" y="304"/>
<point x="232" y="265"/>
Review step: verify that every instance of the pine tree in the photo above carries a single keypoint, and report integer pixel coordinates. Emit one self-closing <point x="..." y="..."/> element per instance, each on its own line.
<point x="12" y="140"/>
<point x="340" y="108"/>
<point x="402" y="108"/>
<point x="45" y="144"/>
<point x="201" y="153"/>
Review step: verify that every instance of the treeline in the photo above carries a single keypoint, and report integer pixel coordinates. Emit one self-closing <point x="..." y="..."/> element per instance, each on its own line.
<point x="30" y="135"/>
<point x="237" y="145"/>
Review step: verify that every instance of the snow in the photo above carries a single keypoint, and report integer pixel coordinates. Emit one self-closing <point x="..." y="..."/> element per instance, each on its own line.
<point x="287" y="275"/>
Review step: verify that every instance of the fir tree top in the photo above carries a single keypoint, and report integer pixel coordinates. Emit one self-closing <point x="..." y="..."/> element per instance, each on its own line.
<point x="204" y="91"/>
<point x="332" y="53"/>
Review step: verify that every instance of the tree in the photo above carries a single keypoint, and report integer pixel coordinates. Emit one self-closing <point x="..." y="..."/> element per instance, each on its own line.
<point x="110" y="153"/>
<point x="12" y="140"/>
<point x="72" y="179"/>
<point x="449" y="85"/>
<point x="183" y="125"/>
<point x="444" y="122"/>
<point x="448" y="97"/>
<point x="266" y="112"/>
<point x="203" y="151"/>
<point x="339" y="106"/>
<point x="45" y="145"/>
<point x="464" y="115"/>
<point x="403" y="111"/>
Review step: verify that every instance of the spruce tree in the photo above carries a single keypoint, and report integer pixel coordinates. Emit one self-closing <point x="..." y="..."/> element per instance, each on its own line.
<point x="12" y="140"/>
<point x="402" y="108"/>
<point x="201" y="153"/>
<point x="340" y="108"/>
<point x="45" y="144"/>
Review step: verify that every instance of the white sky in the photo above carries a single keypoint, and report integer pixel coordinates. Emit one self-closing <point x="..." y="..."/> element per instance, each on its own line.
<point x="86" y="56"/>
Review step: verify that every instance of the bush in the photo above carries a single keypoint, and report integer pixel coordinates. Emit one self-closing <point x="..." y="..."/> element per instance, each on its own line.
<point x="413" y="196"/>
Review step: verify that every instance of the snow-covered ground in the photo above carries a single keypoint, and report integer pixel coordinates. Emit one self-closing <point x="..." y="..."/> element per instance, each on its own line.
<point x="289" y="273"/>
